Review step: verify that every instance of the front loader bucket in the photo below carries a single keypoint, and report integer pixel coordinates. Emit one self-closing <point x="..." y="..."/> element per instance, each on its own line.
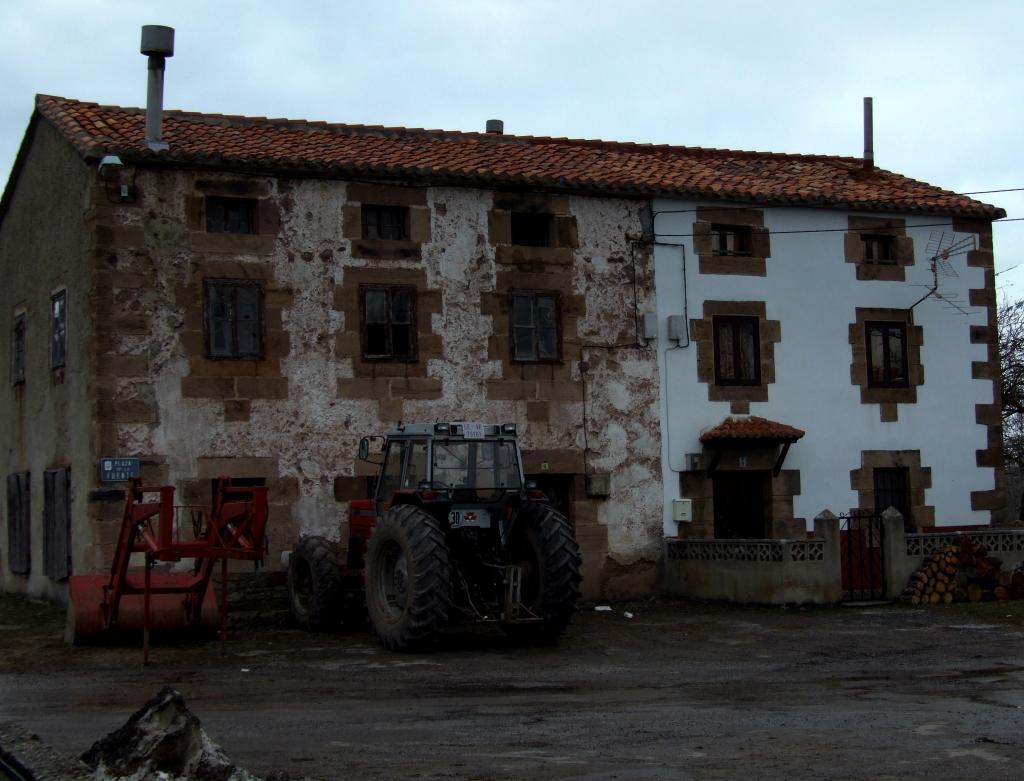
<point x="87" y="620"/>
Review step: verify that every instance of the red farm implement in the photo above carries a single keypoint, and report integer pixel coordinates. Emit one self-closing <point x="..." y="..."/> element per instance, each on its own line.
<point x="155" y="530"/>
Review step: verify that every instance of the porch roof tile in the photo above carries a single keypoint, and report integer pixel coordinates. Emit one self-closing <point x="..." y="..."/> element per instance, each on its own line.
<point x="750" y="427"/>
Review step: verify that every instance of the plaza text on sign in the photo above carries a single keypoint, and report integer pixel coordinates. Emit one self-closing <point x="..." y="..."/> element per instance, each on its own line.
<point x="115" y="470"/>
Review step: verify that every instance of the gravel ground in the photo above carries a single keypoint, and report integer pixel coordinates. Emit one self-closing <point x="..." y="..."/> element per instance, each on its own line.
<point x="680" y="690"/>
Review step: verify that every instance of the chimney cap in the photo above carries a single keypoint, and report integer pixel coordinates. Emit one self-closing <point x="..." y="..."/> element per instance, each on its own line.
<point x="157" y="40"/>
<point x="495" y="126"/>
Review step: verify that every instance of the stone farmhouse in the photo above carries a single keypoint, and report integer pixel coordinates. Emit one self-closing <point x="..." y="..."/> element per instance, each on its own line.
<point x="250" y="296"/>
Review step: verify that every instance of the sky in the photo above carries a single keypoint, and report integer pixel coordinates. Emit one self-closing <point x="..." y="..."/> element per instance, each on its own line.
<point x="781" y="76"/>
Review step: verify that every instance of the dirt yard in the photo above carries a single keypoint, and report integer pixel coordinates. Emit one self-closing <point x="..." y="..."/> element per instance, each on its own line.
<point x="679" y="690"/>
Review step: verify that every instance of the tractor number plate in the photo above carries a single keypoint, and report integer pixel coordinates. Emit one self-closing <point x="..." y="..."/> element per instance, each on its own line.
<point x="479" y="519"/>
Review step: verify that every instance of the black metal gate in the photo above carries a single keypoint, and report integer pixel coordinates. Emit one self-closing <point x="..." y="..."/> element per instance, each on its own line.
<point x="862" y="553"/>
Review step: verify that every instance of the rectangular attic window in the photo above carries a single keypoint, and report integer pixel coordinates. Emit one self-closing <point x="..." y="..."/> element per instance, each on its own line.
<point x="530" y="229"/>
<point x="230" y="215"/>
<point x="385" y="222"/>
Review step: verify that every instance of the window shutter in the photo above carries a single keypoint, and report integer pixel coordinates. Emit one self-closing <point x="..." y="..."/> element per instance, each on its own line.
<point x="565" y="231"/>
<point x="18" y="523"/>
<point x="853" y="247"/>
<point x="702" y="238"/>
<point x="903" y="249"/>
<point x="56" y="524"/>
<point x="760" y="243"/>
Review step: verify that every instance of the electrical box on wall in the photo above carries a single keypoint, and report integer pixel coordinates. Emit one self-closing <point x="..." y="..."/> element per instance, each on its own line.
<point x="650" y="327"/>
<point x="677" y="328"/>
<point x="682" y="510"/>
<point x="599" y="484"/>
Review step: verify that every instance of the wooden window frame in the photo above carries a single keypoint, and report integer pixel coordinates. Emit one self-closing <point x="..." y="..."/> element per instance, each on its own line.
<point x="744" y="240"/>
<point x="533" y="295"/>
<point x="370" y="221"/>
<point x="58" y="330"/>
<point x="885" y="326"/>
<point x="526" y="229"/>
<point x="235" y="354"/>
<point x="879" y="249"/>
<point x="734" y="321"/>
<point x="389" y="357"/>
<point x="19" y="348"/>
<point x="224" y="202"/>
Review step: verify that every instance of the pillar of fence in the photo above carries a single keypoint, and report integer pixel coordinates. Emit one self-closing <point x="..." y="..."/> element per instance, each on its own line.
<point x="895" y="563"/>
<point x="826" y="527"/>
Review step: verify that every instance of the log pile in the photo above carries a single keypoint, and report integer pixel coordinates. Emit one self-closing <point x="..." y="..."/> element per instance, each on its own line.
<point x="962" y="573"/>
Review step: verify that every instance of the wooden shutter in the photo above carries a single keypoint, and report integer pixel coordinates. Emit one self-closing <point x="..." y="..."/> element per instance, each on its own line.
<point x="57" y="523"/>
<point x="19" y="518"/>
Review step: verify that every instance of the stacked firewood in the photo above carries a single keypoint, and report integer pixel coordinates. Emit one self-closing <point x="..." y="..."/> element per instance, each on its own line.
<point x="962" y="573"/>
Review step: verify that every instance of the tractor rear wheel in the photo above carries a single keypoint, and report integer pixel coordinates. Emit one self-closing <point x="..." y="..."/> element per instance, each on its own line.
<point x="408" y="579"/>
<point x="544" y="547"/>
<point x="314" y="584"/>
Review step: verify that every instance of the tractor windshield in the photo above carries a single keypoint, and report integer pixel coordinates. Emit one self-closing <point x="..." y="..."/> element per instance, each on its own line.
<point x="476" y="464"/>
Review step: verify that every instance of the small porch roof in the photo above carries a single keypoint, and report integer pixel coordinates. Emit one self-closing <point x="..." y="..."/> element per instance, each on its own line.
<point x="750" y="428"/>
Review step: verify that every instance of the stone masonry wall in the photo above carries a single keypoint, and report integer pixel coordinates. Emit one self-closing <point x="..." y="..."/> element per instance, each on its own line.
<point x="294" y="417"/>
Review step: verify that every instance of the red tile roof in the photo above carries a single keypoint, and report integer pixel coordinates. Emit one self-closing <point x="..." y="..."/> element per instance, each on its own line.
<point x="591" y="167"/>
<point x="751" y="428"/>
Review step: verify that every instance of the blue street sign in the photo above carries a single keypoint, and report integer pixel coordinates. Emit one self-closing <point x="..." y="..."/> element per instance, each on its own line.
<point x="117" y="470"/>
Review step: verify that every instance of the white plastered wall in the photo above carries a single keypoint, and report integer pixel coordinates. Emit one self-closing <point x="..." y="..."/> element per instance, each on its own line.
<point x="814" y="293"/>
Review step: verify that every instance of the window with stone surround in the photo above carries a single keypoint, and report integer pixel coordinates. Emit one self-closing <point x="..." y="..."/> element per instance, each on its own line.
<point x="18" y="346"/>
<point x="735" y="344"/>
<point x="894" y="478"/>
<point x="731" y="241"/>
<point x="737" y="350"/>
<point x="233" y="318"/>
<point x="886" y="348"/>
<point x="879" y="247"/>
<point x="230" y="215"/>
<point x="887" y="354"/>
<point x="530" y="229"/>
<point x="385" y="222"/>
<point x="388" y="322"/>
<point x="535" y="326"/>
<point x="58" y="329"/>
<point x="533" y="229"/>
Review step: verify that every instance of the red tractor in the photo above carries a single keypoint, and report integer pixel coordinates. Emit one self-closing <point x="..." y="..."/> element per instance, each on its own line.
<point x="452" y="533"/>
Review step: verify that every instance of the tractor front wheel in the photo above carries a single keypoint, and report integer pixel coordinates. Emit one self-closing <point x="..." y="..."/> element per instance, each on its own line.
<point x="408" y="579"/>
<point x="543" y="545"/>
<point x="314" y="584"/>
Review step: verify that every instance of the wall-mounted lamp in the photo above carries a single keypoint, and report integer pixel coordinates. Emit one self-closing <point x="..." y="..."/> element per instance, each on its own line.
<point x="111" y="168"/>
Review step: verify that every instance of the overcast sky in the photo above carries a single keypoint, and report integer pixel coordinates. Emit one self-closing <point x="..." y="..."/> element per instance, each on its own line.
<point x="946" y="77"/>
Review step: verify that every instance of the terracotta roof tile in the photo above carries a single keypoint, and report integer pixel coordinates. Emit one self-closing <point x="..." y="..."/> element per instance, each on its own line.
<point x="477" y="158"/>
<point x="751" y="428"/>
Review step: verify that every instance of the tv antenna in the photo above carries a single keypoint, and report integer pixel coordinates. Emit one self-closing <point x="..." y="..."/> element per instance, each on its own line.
<point x="940" y="248"/>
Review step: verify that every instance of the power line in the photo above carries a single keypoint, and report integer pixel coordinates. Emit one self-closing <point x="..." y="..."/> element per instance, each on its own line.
<point x="841" y="230"/>
<point x="984" y="192"/>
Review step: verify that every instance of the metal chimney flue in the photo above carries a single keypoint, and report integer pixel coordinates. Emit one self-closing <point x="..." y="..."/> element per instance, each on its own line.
<point x="495" y="126"/>
<point x="869" y="136"/>
<point x="158" y="45"/>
